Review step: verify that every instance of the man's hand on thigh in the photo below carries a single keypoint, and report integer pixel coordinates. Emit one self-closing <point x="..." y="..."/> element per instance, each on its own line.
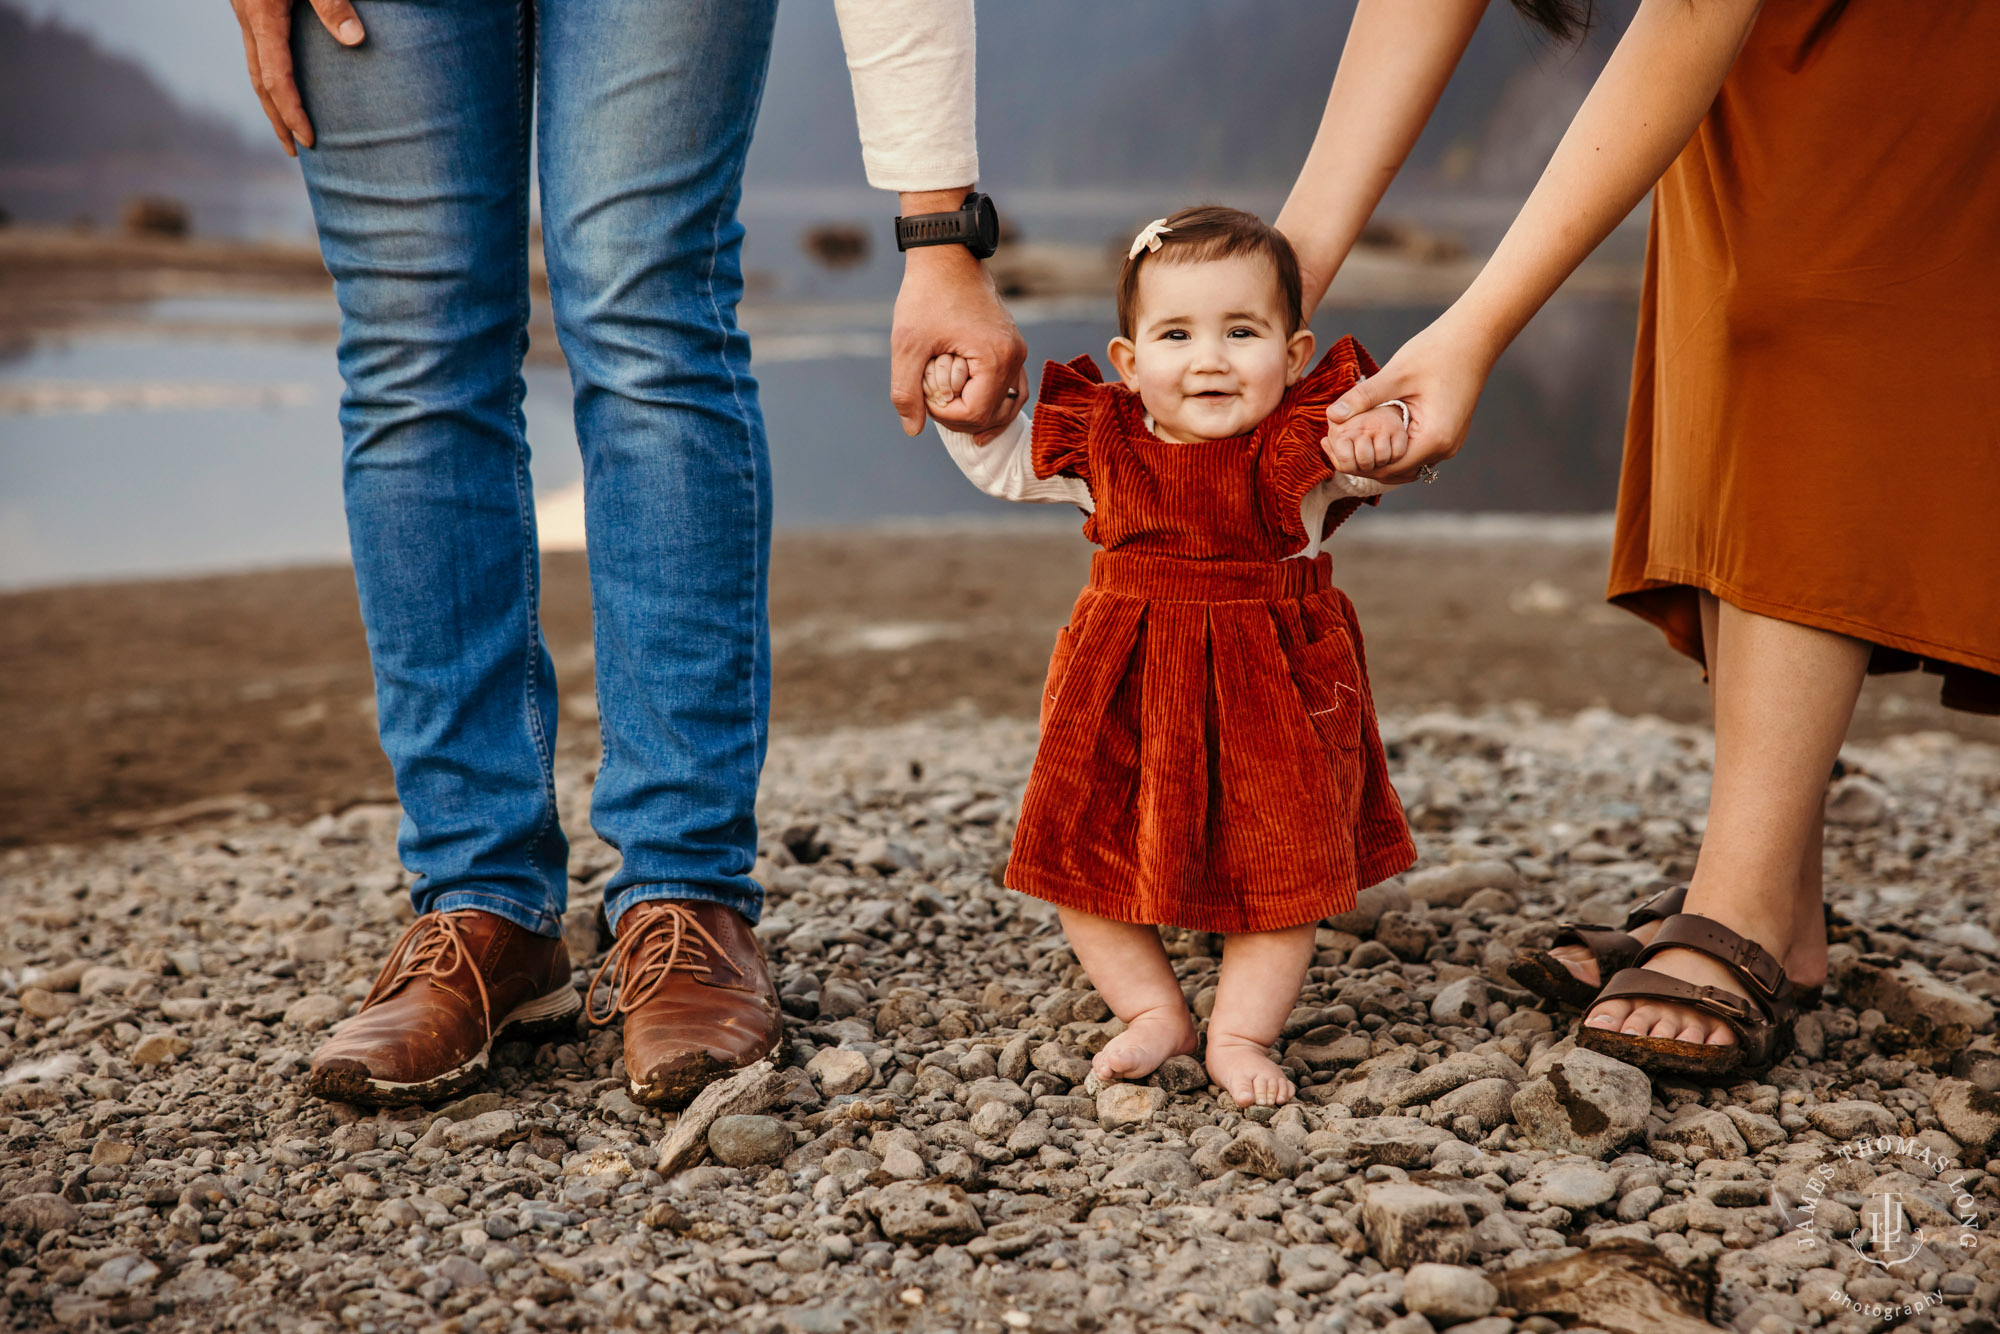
<point x="267" y="50"/>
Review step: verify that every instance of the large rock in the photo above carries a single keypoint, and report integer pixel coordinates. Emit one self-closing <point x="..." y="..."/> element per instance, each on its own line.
<point x="1365" y="1141"/>
<point x="1055" y="1059"/>
<point x="1623" y="1286"/>
<point x="1703" y="1133"/>
<point x="315" y="1010"/>
<point x="105" y="980"/>
<point x="926" y="1213"/>
<point x="1461" y="1004"/>
<point x="1566" y="1183"/>
<point x="840" y="1071"/>
<point x="38" y="1213"/>
<point x="1455" y="1070"/>
<point x="1369" y="905"/>
<point x="1759" y="1132"/>
<point x="1450" y="886"/>
<point x="1487" y="1101"/>
<point x="1969" y="1114"/>
<point x="1255" y="1151"/>
<point x="1852" y="1119"/>
<point x="1408" y="1225"/>
<point x="1121" y="1105"/>
<point x="486" y="1131"/>
<point x="1407" y="935"/>
<point x="982" y="1091"/>
<point x="1181" y="1074"/>
<point x="742" y="1141"/>
<point x="158" y="1049"/>
<point x="1911" y="995"/>
<point x="1156" y="1167"/>
<point x="1448" y="1294"/>
<point x="744" y="1093"/>
<point x="1586" y="1103"/>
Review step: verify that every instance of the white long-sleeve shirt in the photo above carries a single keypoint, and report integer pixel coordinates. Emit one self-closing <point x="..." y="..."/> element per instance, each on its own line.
<point x="1004" y="468"/>
<point x="912" y="66"/>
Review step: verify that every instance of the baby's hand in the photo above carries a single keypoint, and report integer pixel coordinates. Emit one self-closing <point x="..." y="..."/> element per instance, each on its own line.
<point x="1374" y="440"/>
<point x="945" y="378"/>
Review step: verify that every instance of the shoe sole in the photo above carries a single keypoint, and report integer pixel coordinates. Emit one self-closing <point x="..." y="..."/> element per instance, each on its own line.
<point x="543" y="1015"/>
<point x="678" y="1089"/>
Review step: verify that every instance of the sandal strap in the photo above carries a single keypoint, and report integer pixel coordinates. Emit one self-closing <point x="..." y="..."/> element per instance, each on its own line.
<point x="1616" y="941"/>
<point x="1667" y="903"/>
<point x="1739" y="1012"/>
<point x="1763" y="1030"/>
<point x="1754" y="965"/>
<point x="1597" y="939"/>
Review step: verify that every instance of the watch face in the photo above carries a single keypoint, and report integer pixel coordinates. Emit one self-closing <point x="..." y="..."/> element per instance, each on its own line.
<point x="986" y="225"/>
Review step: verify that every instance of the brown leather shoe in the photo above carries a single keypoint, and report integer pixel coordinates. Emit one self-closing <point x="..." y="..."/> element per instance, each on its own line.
<point x="691" y="981"/>
<point x="455" y="984"/>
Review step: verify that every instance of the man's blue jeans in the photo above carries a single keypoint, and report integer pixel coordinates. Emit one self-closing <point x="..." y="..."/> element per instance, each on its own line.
<point x="419" y="182"/>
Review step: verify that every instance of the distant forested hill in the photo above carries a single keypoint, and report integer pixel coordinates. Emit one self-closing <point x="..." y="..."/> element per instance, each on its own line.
<point x="64" y="101"/>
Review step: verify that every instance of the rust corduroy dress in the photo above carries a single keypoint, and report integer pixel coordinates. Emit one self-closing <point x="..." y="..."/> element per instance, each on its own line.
<point x="1209" y="756"/>
<point x="1815" y="425"/>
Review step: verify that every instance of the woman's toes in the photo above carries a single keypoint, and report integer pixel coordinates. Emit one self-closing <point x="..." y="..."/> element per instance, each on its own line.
<point x="1639" y="1022"/>
<point x="1609" y="1014"/>
<point x="1693" y="1028"/>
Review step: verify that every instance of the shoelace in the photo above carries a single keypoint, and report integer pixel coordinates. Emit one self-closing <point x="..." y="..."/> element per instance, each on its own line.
<point x="647" y="952"/>
<point x="433" y="946"/>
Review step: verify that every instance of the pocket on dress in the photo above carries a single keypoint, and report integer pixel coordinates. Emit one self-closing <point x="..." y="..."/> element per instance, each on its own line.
<point x="1058" y="667"/>
<point x="1325" y="674"/>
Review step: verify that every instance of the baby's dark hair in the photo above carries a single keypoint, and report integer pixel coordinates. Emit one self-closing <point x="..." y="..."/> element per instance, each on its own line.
<point x="1207" y="232"/>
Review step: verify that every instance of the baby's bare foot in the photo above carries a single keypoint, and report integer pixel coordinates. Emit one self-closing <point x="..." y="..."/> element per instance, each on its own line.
<point x="1148" y="1040"/>
<point x="1245" y="1071"/>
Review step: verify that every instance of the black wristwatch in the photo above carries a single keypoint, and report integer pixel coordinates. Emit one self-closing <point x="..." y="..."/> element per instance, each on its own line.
<point x="976" y="226"/>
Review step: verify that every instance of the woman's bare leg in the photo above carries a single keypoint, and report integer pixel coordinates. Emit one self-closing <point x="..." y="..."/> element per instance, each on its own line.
<point x="1128" y="966"/>
<point x="1784" y="694"/>
<point x="1805" y="963"/>
<point x="1262" y="974"/>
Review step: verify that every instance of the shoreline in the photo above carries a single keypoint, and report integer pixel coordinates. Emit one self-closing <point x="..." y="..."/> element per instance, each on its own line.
<point x="131" y="702"/>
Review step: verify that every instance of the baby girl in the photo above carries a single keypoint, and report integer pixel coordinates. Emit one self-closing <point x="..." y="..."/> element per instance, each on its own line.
<point x="1209" y="757"/>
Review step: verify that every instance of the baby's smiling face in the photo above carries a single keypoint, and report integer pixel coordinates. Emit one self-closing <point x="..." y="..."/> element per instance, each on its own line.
<point x="1210" y="355"/>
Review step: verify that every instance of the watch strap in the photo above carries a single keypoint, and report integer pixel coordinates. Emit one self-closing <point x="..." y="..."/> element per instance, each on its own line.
<point x="954" y="228"/>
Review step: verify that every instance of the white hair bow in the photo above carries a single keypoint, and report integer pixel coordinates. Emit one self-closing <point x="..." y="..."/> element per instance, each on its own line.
<point x="1148" y="237"/>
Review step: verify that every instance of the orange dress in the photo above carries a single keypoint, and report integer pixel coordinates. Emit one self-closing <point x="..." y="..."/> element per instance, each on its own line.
<point x="1209" y="756"/>
<point x="1815" y="424"/>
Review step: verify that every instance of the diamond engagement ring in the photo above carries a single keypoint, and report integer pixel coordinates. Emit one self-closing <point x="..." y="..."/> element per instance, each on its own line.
<point x="1427" y="473"/>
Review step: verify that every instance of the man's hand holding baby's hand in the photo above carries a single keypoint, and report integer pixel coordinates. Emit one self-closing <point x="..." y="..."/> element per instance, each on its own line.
<point x="1368" y="442"/>
<point x="945" y="378"/>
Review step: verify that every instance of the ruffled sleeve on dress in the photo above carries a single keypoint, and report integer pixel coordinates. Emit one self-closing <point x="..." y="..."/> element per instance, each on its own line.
<point x="1295" y="461"/>
<point x="1072" y="395"/>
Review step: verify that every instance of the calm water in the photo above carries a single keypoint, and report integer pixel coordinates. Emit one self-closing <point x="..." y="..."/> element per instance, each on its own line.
<point x="141" y="455"/>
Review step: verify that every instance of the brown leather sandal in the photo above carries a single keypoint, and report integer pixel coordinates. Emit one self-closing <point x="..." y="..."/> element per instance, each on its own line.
<point x="1547" y="976"/>
<point x="1762" y="1021"/>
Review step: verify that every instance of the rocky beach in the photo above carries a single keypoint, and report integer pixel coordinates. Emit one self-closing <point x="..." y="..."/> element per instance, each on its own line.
<point x="197" y="851"/>
<point x="932" y="1153"/>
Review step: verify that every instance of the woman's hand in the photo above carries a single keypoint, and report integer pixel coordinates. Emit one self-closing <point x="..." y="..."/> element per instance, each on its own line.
<point x="1439" y="374"/>
<point x="267" y="50"/>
